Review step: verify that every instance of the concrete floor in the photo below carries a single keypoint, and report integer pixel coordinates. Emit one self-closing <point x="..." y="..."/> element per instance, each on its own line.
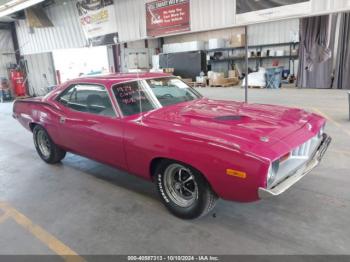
<point x="89" y="208"/>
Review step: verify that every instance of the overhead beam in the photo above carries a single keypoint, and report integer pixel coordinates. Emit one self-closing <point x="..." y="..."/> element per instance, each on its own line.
<point x="16" y="5"/>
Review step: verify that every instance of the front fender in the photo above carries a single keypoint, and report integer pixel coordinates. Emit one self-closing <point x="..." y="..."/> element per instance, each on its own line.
<point x="213" y="159"/>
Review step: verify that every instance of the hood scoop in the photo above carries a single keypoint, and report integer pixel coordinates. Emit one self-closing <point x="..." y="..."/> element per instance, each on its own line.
<point x="229" y="118"/>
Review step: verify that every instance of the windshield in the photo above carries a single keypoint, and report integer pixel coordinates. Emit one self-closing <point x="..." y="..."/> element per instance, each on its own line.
<point x="136" y="97"/>
<point x="169" y="91"/>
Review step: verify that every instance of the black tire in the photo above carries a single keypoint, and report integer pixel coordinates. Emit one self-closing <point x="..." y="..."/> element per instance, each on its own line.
<point x="51" y="154"/>
<point x="204" y="198"/>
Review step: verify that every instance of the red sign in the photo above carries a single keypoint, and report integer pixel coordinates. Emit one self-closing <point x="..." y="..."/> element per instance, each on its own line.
<point x="166" y="17"/>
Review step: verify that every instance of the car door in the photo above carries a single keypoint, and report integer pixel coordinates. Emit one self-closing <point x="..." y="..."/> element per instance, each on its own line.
<point x="89" y="124"/>
<point x="133" y="99"/>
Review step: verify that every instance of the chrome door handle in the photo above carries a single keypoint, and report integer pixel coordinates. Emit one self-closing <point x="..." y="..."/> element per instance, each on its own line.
<point x="62" y="120"/>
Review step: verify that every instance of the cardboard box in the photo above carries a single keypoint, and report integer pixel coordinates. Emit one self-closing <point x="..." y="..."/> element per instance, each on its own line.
<point x="215" y="75"/>
<point x="168" y="70"/>
<point x="237" y="40"/>
<point x="224" y="81"/>
<point x="233" y="73"/>
<point x="295" y="52"/>
<point x="234" y="80"/>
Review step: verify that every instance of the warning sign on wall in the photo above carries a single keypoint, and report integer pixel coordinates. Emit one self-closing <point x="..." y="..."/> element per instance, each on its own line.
<point x="166" y="17"/>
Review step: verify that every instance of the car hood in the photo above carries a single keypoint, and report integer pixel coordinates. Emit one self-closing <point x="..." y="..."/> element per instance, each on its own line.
<point x="255" y="124"/>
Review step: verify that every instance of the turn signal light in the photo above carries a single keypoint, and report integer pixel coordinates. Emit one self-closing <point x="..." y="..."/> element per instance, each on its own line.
<point x="285" y="157"/>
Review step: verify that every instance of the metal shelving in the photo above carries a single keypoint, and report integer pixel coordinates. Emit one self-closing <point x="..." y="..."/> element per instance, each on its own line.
<point x="253" y="46"/>
<point x="250" y="58"/>
<point x="231" y="59"/>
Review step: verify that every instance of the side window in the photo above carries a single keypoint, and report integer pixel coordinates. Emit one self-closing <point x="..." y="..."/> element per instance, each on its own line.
<point x="87" y="98"/>
<point x="133" y="98"/>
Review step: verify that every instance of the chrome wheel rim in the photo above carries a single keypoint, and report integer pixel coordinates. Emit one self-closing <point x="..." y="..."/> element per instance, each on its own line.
<point x="180" y="185"/>
<point x="43" y="143"/>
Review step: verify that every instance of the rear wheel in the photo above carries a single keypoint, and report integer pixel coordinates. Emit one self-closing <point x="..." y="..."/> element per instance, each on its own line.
<point x="46" y="148"/>
<point x="183" y="190"/>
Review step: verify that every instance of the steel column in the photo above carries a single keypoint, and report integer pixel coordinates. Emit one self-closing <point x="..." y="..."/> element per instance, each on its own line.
<point x="246" y="65"/>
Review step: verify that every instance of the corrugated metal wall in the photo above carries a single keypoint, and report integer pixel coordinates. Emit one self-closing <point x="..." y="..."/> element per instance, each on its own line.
<point x="41" y="73"/>
<point x="131" y="19"/>
<point x="272" y="32"/>
<point x="204" y="36"/>
<point x="6" y="59"/>
<point x="205" y="15"/>
<point x="260" y="34"/>
<point x="66" y="32"/>
<point x="7" y="55"/>
<point x="212" y="14"/>
<point x="326" y="5"/>
<point x="131" y="22"/>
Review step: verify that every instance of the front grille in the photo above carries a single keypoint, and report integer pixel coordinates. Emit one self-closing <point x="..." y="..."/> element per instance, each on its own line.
<point x="299" y="156"/>
<point x="303" y="151"/>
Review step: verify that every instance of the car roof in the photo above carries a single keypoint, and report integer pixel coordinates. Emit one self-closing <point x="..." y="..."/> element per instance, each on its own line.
<point x="118" y="78"/>
<point x="108" y="80"/>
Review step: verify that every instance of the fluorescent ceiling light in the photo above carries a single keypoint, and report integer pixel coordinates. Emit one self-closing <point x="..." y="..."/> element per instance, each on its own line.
<point x="13" y="6"/>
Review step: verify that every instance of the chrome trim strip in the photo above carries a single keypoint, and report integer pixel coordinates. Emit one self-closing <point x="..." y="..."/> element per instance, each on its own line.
<point x="298" y="174"/>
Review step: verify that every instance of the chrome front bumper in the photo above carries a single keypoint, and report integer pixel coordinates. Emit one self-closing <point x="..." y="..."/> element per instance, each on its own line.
<point x="299" y="173"/>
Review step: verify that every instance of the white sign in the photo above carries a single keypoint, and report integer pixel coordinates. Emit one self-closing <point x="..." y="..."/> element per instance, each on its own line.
<point x="255" y="11"/>
<point x="97" y="17"/>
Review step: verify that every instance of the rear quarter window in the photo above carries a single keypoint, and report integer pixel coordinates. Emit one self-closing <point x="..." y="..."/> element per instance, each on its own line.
<point x="88" y="98"/>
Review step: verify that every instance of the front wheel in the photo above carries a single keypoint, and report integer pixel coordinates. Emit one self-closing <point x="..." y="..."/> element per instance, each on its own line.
<point x="46" y="148"/>
<point x="183" y="190"/>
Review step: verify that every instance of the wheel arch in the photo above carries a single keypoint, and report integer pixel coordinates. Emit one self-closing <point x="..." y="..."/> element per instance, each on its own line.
<point x="153" y="165"/>
<point x="32" y="125"/>
<point x="157" y="160"/>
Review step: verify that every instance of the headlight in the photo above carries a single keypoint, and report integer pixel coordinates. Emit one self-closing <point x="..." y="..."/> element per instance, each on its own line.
<point x="272" y="173"/>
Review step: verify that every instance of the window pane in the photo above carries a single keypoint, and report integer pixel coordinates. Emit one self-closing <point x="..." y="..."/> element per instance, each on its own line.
<point x="88" y="98"/>
<point x="66" y="95"/>
<point x="171" y="91"/>
<point x="133" y="98"/>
